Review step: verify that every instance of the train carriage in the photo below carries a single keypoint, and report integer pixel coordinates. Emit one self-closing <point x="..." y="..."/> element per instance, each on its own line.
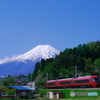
<point x="51" y="84"/>
<point x="65" y="83"/>
<point x="85" y="81"/>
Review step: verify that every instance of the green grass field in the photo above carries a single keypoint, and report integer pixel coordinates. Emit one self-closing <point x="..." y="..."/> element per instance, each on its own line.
<point x="72" y="99"/>
<point x="86" y="98"/>
<point x="59" y="99"/>
<point x="67" y="95"/>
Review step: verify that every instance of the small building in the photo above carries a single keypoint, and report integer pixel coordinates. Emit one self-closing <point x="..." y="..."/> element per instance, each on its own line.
<point x="24" y="92"/>
<point x="55" y="95"/>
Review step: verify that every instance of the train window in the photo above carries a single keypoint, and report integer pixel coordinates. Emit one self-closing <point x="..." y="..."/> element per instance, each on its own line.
<point x="67" y="82"/>
<point x="51" y="83"/>
<point x="96" y="79"/>
<point x="81" y="81"/>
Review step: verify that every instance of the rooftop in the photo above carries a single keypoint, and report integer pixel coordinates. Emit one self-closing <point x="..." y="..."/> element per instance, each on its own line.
<point x="23" y="88"/>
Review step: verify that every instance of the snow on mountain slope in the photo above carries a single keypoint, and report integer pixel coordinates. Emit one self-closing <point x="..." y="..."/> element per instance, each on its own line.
<point x="25" y="63"/>
<point x="40" y="51"/>
<point x="43" y="51"/>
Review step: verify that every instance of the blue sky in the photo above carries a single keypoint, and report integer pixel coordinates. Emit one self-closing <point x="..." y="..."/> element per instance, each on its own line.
<point x="62" y="24"/>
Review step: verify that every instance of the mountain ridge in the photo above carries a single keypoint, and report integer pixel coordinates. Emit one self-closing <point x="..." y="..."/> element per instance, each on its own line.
<point x="11" y="65"/>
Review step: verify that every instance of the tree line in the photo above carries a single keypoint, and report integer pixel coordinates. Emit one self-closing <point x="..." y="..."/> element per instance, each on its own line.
<point x="85" y="56"/>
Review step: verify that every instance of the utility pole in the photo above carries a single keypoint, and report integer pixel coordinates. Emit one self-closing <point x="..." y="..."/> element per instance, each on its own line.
<point x="31" y="80"/>
<point x="76" y="74"/>
<point x="47" y="76"/>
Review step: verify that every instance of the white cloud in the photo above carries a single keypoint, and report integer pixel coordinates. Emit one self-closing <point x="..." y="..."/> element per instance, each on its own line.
<point x="7" y="59"/>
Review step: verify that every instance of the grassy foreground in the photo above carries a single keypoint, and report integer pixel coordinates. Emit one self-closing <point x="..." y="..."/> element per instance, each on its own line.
<point x="58" y="99"/>
<point x="72" y="99"/>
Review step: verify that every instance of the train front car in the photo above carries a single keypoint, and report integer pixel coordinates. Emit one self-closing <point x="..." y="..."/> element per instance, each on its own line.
<point x="86" y="81"/>
<point x="65" y="83"/>
<point x="52" y="84"/>
<point x="95" y="80"/>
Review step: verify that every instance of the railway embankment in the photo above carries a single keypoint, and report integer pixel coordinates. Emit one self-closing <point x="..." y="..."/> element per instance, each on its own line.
<point x="75" y="92"/>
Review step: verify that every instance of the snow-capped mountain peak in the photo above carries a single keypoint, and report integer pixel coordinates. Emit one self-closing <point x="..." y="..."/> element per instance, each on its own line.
<point x="43" y="51"/>
<point x="39" y="52"/>
<point x="25" y="63"/>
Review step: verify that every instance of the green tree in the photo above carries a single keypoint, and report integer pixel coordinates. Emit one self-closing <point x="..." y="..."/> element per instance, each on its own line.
<point x="97" y="66"/>
<point x="8" y="81"/>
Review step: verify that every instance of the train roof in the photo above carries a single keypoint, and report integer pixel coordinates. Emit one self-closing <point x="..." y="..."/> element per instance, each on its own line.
<point x="59" y="79"/>
<point x="81" y="77"/>
<point x="65" y="79"/>
<point x="87" y="76"/>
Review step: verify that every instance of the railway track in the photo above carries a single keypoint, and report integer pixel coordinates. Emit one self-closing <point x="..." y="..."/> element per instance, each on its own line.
<point x="85" y="88"/>
<point x="76" y="89"/>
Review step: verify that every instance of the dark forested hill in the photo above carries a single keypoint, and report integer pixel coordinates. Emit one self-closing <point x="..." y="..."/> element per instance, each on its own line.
<point x="86" y="58"/>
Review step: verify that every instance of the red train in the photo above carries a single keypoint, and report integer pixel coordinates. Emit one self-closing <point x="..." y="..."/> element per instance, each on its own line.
<point x="85" y="81"/>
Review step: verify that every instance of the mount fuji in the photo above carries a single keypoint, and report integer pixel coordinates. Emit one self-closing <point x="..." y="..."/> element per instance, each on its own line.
<point x="25" y="63"/>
